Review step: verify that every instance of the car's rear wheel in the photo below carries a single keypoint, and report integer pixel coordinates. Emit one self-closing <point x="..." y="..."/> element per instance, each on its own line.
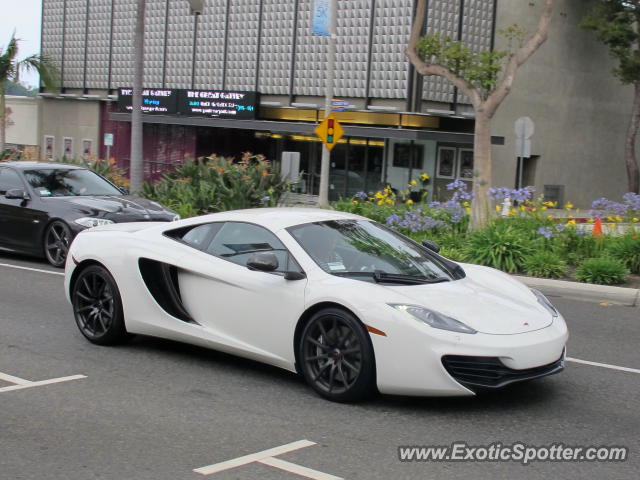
<point x="97" y="306"/>
<point x="57" y="238"/>
<point x="336" y="356"/>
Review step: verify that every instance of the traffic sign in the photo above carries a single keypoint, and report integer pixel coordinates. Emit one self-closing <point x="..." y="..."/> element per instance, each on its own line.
<point x="524" y="128"/>
<point x="108" y="140"/>
<point x="329" y="131"/>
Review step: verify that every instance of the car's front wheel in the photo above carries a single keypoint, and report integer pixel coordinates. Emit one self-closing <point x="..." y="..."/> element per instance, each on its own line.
<point x="336" y="356"/>
<point x="97" y="306"/>
<point x="57" y="238"/>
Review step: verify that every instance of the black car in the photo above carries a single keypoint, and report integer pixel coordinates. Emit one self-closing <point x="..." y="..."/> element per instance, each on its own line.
<point x="43" y="206"/>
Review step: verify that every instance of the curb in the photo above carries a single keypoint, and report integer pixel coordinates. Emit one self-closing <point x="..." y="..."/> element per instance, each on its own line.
<point x="584" y="291"/>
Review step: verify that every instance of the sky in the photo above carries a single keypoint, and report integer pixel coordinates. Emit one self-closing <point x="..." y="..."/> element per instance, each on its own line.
<point x="24" y="17"/>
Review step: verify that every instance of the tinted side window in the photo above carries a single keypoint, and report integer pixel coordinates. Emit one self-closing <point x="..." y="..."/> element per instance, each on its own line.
<point x="236" y="242"/>
<point x="9" y="180"/>
<point x="197" y="236"/>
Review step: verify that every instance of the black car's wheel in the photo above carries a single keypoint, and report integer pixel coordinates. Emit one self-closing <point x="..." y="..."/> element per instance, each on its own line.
<point x="97" y="306"/>
<point x="336" y="356"/>
<point x="57" y="238"/>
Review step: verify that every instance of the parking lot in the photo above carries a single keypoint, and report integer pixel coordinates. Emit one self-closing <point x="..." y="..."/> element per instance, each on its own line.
<point x="155" y="409"/>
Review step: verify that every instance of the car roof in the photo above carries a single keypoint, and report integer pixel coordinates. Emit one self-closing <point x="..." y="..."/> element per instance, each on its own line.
<point x="277" y="218"/>
<point x="23" y="165"/>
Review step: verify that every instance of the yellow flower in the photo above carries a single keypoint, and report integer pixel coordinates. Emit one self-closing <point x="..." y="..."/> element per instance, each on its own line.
<point x="610" y="219"/>
<point x="380" y="202"/>
<point x="413" y="182"/>
<point x="424" y="177"/>
<point x="544" y="207"/>
<point x="571" y="222"/>
<point x="549" y="217"/>
<point x="387" y="191"/>
<point x="465" y="204"/>
<point x="355" y="202"/>
<point x="498" y="208"/>
<point x="379" y="195"/>
<point x="523" y="208"/>
<point x="389" y="201"/>
<point x="590" y="220"/>
<point x="468" y="210"/>
<point x="635" y="220"/>
<point x="618" y="218"/>
<point x="568" y="206"/>
<point x="409" y="202"/>
<point x="512" y="211"/>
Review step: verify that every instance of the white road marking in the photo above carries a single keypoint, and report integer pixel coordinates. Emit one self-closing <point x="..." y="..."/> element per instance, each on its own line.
<point x="40" y="270"/>
<point x="297" y="469"/>
<point x="21" y="383"/>
<point x="266" y="457"/>
<point x="603" y="365"/>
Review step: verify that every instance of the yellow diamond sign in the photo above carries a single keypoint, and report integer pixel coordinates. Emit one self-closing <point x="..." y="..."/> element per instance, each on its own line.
<point x="329" y="131"/>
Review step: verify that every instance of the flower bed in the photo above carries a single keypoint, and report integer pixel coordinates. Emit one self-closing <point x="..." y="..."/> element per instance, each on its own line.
<point x="526" y="235"/>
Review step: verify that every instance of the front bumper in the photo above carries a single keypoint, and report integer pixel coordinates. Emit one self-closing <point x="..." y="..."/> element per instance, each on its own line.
<point x="409" y="358"/>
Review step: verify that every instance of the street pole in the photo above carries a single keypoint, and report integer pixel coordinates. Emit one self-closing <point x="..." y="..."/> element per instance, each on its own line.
<point x="323" y="199"/>
<point x="136" y="171"/>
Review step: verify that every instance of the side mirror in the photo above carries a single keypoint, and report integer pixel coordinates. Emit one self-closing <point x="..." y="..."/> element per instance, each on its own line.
<point x="263" y="261"/>
<point x="16" y="194"/>
<point x="295" y="275"/>
<point x="123" y="190"/>
<point x="431" y="245"/>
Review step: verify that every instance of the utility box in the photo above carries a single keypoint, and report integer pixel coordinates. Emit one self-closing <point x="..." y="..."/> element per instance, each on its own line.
<point x="290" y="166"/>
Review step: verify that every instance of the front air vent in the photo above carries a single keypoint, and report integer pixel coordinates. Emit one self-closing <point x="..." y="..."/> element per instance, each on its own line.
<point x="162" y="281"/>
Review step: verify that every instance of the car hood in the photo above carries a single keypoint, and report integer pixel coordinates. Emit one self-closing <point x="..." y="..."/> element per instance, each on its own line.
<point x="115" y="207"/>
<point x="487" y="300"/>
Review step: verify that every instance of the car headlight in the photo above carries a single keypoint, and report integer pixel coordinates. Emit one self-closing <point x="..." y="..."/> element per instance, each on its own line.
<point x="92" y="222"/>
<point x="176" y="217"/>
<point x="433" y="318"/>
<point x="544" y="301"/>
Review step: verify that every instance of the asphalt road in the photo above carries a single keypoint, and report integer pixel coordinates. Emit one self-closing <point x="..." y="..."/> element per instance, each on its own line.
<point x="154" y="409"/>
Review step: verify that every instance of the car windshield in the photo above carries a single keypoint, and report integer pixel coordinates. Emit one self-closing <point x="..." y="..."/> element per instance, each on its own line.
<point x="368" y="250"/>
<point x="61" y="182"/>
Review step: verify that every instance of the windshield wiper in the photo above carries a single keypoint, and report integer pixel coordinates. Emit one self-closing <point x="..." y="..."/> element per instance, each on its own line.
<point x="384" y="277"/>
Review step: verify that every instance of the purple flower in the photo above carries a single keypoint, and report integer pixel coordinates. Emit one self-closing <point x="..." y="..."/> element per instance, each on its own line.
<point x="582" y="232"/>
<point x="546" y="232"/>
<point x="633" y="200"/>
<point x="362" y="195"/>
<point x="560" y="227"/>
<point x="518" y="195"/>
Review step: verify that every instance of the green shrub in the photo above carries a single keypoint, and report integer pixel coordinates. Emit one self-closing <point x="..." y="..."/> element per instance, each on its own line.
<point x="603" y="270"/>
<point x="452" y="253"/>
<point x="546" y="264"/>
<point x="575" y="247"/>
<point x="498" y="246"/>
<point x="627" y="250"/>
<point x="215" y="184"/>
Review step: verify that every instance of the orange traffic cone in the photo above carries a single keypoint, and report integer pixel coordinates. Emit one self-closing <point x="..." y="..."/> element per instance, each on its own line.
<point x="597" y="228"/>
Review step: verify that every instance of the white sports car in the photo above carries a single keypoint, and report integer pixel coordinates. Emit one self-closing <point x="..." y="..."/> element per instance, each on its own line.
<point x="343" y="300"/>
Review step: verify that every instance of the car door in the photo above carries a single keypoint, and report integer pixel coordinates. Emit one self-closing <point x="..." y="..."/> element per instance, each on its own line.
<point x="19" y="222"/>
<point x="253" y="312"/>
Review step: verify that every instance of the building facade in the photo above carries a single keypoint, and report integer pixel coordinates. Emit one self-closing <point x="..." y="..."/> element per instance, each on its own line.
<point x="397" y="124"/>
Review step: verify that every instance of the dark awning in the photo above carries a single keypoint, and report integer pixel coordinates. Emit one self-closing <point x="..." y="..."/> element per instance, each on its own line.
<point x="307" y="128"/>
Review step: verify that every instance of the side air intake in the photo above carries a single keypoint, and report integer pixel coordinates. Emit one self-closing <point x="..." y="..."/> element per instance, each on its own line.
<point x="162" y="281"/>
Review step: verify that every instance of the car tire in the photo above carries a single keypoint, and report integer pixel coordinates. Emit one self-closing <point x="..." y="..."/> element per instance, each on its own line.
<point x="97" y="306"/>
<point x="336" y="356"/>
<point x="57" y="238"/>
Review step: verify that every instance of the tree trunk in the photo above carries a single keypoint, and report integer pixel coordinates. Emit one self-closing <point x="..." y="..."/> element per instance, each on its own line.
<point x="482" y="171"/>
<point x="633" y="177"/>
<point x="3" y="120"/>
<point x="136" y="169"/>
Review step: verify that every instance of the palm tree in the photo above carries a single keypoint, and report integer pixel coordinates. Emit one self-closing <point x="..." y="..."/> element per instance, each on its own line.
<point x="10" y="69"/>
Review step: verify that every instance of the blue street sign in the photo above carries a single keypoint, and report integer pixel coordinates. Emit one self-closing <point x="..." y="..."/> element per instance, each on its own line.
<point x="321" y="19"/>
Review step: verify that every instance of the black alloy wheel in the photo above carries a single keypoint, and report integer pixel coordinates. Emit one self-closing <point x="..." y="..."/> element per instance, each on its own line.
<point x="57" y="238"/>
<point x="336" y="356"/>
<point x="97" y="306"/>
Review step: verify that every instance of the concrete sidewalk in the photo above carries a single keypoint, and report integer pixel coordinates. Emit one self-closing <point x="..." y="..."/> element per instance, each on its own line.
<point x="584" y="291"/>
